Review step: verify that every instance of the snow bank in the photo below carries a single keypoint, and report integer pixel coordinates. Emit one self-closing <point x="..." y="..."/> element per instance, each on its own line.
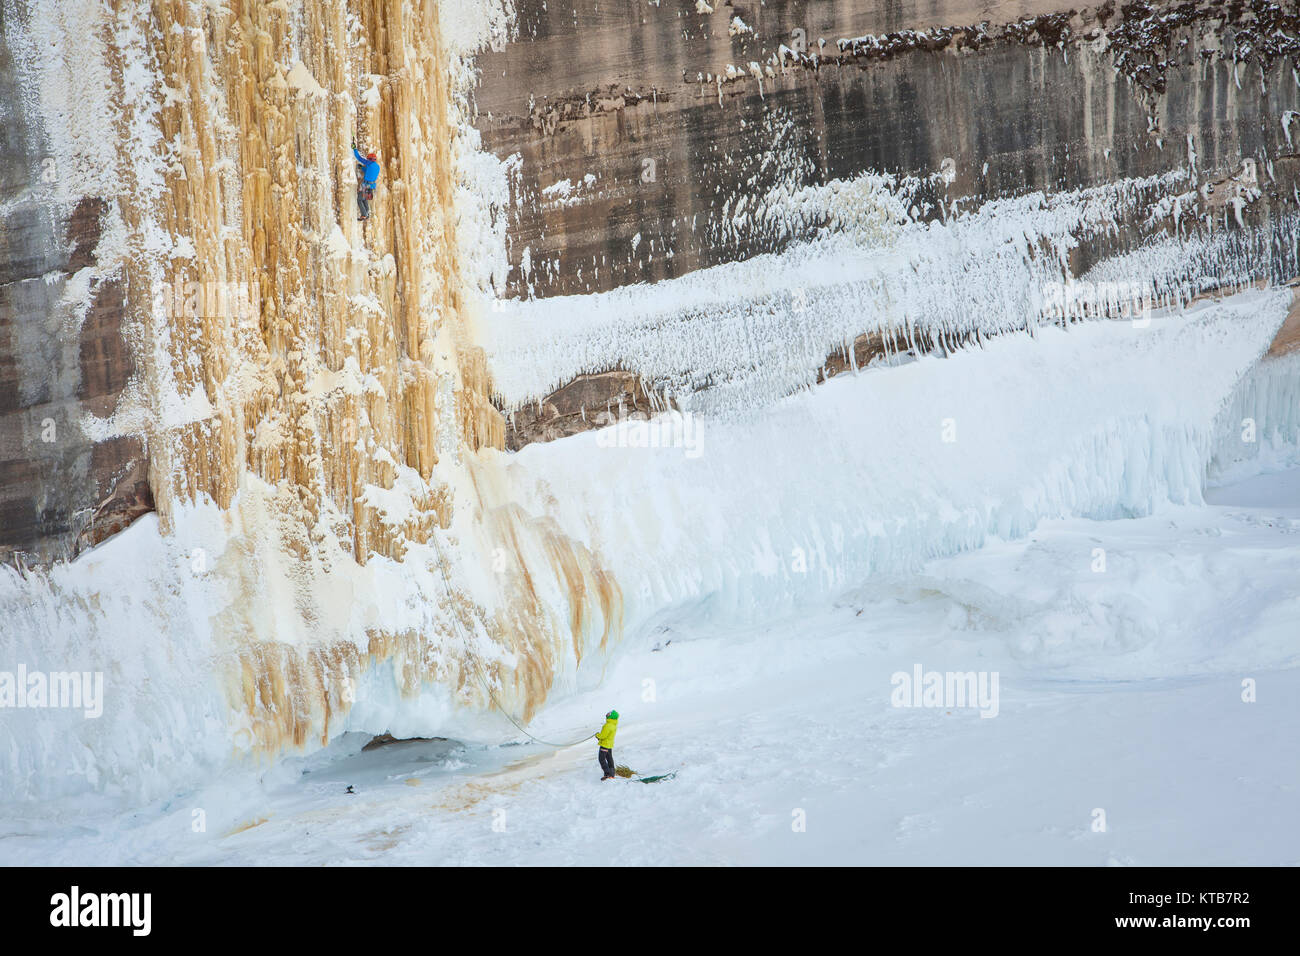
<point x="885" y="470"/>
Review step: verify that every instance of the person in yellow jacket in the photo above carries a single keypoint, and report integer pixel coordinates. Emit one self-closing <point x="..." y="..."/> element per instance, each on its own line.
<point x="605" y="738"/>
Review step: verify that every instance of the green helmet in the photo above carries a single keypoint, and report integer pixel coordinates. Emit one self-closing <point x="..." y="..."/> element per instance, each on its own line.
<point x="612" y="715"/>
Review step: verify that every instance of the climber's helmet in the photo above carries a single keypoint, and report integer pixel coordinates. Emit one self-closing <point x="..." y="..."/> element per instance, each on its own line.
<point x="612" y="715"/>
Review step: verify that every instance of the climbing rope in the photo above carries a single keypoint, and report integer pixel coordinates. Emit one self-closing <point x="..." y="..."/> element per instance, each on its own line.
<point x="442" y="567"/>
<point x="358" y="40"/>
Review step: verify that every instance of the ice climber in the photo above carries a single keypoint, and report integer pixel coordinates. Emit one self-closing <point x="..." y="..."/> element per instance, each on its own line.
<point x="368" y="170"/>
<point x="606" y="740"/>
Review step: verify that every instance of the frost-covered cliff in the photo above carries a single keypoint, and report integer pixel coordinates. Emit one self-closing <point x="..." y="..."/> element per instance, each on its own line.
<point x="301" y="392"/>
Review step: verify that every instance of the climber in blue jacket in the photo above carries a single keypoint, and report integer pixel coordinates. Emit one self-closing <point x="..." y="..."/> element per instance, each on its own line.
<point x="368" y="170"/>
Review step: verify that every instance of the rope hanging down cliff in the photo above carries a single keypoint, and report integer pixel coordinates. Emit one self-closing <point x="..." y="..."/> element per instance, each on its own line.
<point x="442" y="568"/>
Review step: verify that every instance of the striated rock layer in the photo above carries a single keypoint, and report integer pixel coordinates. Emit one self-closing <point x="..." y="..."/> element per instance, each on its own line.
<point x="647" y="134"/>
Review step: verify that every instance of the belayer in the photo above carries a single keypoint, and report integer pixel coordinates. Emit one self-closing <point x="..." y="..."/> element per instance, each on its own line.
<point x="368" y="174"/>
<point x="606" y="741"/>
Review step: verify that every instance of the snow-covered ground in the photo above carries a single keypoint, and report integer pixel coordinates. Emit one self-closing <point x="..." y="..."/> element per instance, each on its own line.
<point x="1120" y="691"/>
<point x="1112" y="532"/>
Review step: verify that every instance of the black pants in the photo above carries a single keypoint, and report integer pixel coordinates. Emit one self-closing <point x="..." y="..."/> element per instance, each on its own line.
<point x="607" y="761"/>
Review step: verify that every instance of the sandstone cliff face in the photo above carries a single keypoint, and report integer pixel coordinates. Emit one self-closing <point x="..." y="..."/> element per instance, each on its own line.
<point x="648" y="133"/>
<point x="62" y="350"/>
